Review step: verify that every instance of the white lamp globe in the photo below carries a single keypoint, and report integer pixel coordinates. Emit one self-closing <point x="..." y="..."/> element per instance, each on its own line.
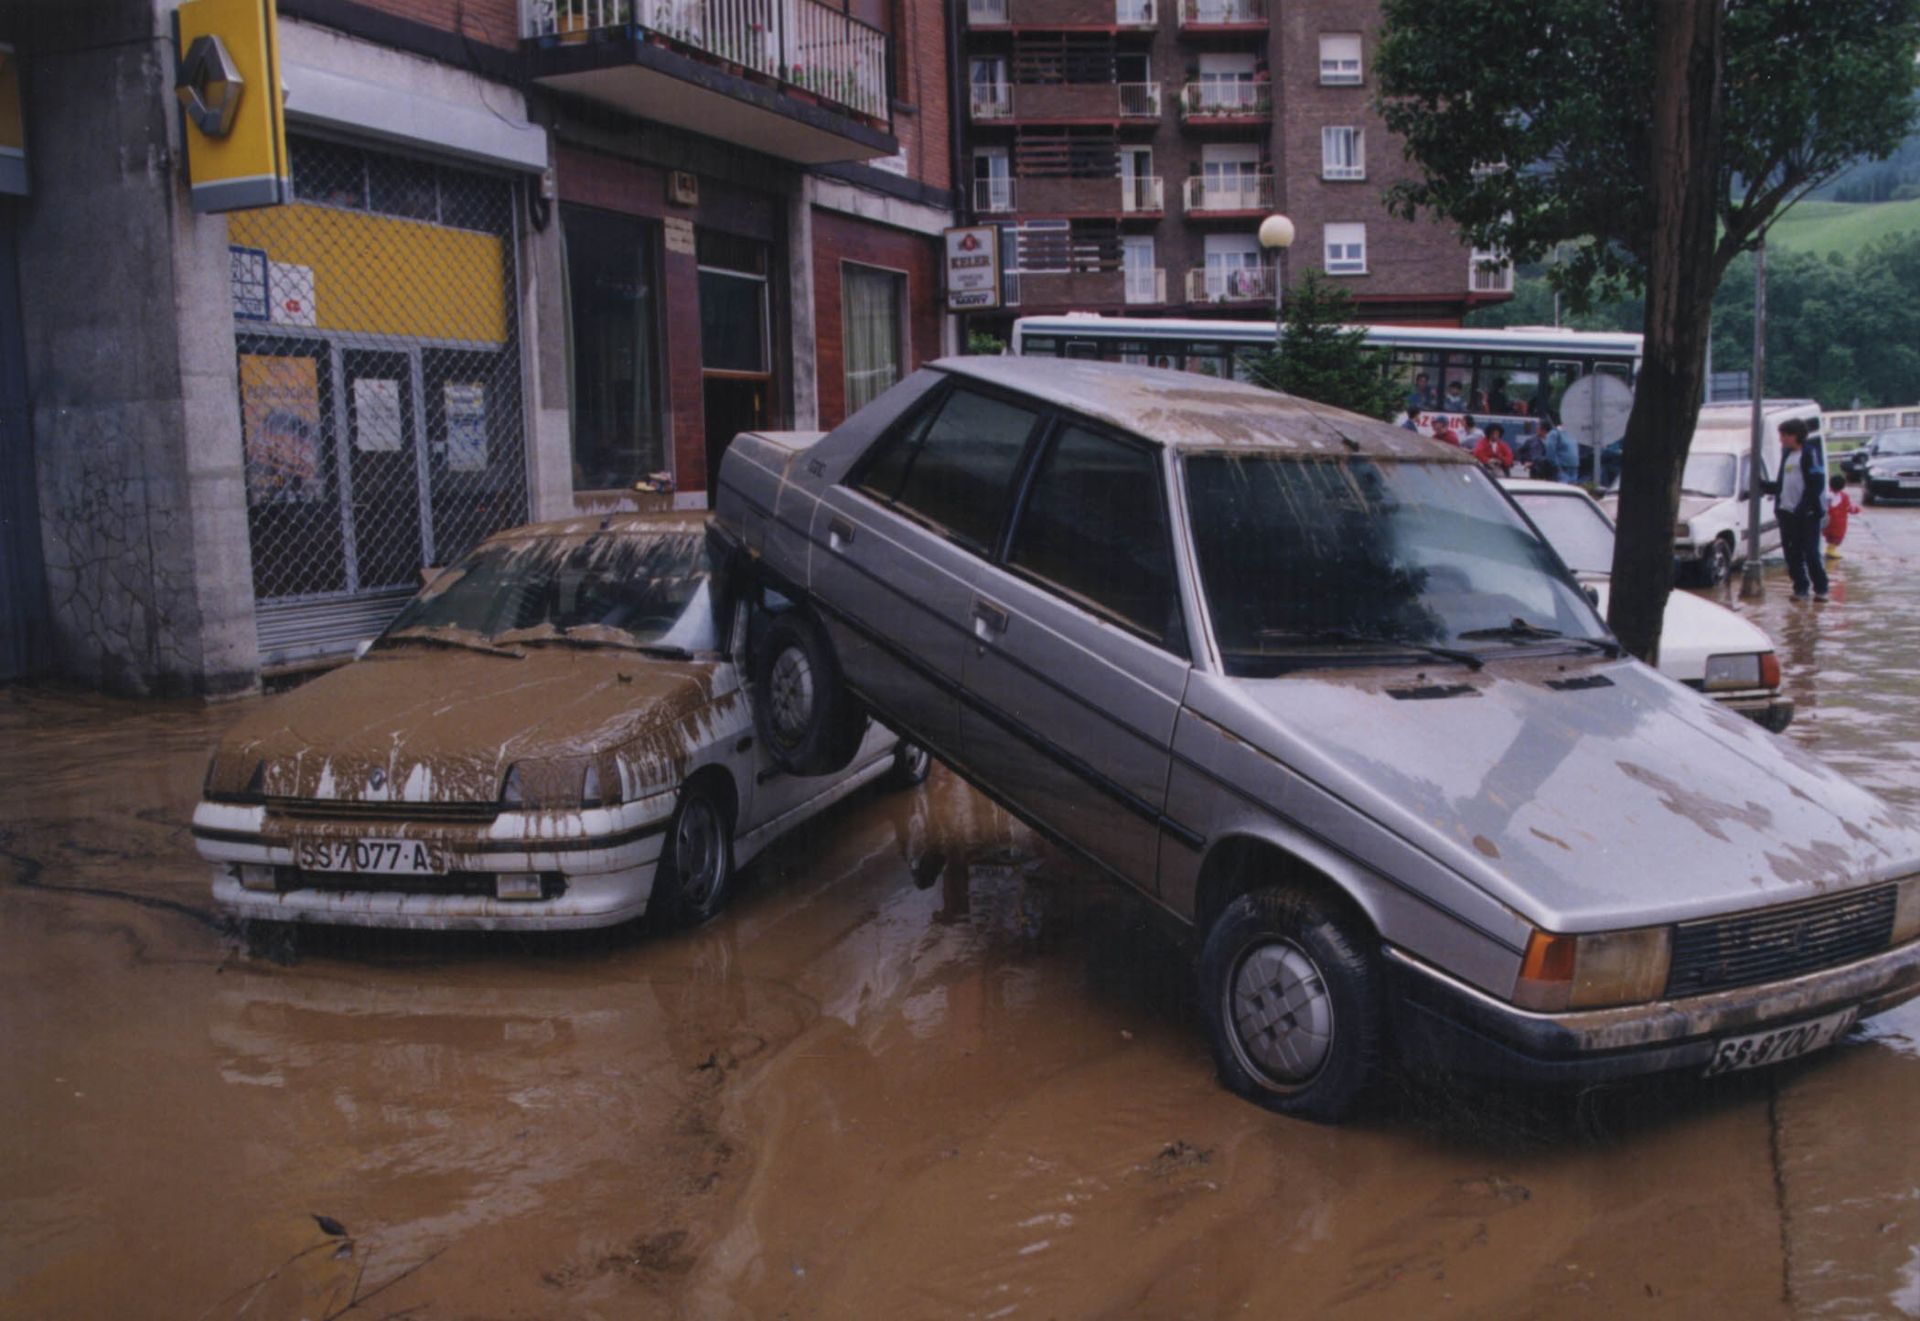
<point x="1276" y="232"/>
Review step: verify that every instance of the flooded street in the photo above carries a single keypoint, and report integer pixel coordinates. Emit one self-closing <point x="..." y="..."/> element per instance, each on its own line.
<point x="923" y="1067"/>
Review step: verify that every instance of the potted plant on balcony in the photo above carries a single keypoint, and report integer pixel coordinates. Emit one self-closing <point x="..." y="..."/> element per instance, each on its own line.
<point x="570" y="20"/>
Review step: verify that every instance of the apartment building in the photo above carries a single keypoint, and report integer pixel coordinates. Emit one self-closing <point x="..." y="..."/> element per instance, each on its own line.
<point x="526" y="255"/>
<point x="1131" y="148"/>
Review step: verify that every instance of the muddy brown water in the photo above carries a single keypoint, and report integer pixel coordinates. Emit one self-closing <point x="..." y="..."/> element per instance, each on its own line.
<point x="922" y="1068"/>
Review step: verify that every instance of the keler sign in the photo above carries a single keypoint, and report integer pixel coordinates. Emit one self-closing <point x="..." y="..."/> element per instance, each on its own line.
<point x="973" y="269"/>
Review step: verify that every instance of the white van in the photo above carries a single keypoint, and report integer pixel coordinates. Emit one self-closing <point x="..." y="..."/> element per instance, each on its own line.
<point x="1710" y="530"/>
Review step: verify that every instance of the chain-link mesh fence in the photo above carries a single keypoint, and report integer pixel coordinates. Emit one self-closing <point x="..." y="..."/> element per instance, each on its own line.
<point x="379" y="372"/>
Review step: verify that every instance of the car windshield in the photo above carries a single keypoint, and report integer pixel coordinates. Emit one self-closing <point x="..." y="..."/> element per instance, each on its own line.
<point x="1307" y="556"/>
<point x="1574" y="526"/>
<point x="1709" y="474"/>
<point x="1907" y="444"/>
<point x="647" y="589"/>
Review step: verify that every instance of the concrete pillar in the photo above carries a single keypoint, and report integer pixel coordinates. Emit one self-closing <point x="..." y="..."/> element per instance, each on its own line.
<point x="806" y="361"/>
<point x="543" y="340"/>
<point x="127" y="305"/>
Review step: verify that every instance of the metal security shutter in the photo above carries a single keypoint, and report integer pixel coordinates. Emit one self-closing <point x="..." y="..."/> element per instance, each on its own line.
<point x="379" y="386"/>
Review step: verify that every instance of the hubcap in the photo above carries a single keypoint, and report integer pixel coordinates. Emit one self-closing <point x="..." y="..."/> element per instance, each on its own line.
<point x="699" y="852"/>
<point x="1282" y="1015"/>
<point x="791" y="688"/>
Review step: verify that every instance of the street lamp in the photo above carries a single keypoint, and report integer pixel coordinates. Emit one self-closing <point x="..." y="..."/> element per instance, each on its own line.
<point x="1276" y="233"/>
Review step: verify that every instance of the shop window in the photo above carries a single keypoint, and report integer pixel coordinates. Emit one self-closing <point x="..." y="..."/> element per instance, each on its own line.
<point x="870" y="317"/>
<point x="613" y="280"/>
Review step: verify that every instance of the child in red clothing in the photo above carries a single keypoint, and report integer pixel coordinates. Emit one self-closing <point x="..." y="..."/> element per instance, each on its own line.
<point x="1840" y="507"/>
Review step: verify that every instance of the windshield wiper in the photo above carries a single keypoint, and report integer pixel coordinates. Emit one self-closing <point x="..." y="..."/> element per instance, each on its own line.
<point x="1459" y="657"/>
<point x="1522" y="630"/>
<point x="448" y="640"/>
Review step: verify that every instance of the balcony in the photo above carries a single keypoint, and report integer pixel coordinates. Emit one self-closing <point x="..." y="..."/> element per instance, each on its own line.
<point x="1222" y="15"/>
<point x="1080" y="291"/>
<point x="794" y="79"/>
<point x="1230" y="285"/>
<point x="1230" y="196"/>
<point x="1065" y="103"/>
<point x="1143" y="196"/>
<point x="1226" y="103"/>
<point x="1063" y="15"/>
<point x="1146" y="288"/>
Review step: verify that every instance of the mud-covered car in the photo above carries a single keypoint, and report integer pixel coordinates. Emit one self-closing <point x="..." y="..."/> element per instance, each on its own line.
<point x="1312" y="684"/>
<point x="1703" y="645"/>
<point x="553" y="734"/>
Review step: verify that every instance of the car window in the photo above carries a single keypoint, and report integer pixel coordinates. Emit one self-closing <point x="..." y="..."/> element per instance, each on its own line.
<point x="1094" y="527"/>
<point x="954" y="465"/>
<point x="1574" y="527"/>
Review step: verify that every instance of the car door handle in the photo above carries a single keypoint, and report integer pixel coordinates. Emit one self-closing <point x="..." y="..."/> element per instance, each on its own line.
<point x="839" y="533"/>
<point x="989" y="620"/>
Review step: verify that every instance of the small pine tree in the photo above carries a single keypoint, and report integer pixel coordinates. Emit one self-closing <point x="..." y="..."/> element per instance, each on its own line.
<point x="1324" y="357"/>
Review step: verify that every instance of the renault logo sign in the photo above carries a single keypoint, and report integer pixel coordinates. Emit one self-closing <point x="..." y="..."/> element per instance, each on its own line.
<point x="209" y="86"/>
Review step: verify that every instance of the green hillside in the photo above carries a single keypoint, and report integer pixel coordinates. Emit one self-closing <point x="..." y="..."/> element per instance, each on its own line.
<point x="1823" y="227"/>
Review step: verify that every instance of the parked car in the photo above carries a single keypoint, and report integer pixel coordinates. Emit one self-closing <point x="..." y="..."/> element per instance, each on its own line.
<point x="1893" y="473"/>
<point x="1710" y="538"/>
<point x="553" y="734"/>
<point x="1312" y="684"/>
<point x="1705" y="646"/>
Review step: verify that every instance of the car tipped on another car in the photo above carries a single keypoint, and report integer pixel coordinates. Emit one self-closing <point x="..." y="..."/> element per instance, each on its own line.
<point x="553" y="734"/>
<point x="1312" y="685"/>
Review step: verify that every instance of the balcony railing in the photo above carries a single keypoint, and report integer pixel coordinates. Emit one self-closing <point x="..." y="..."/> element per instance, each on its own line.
<point x="1223" y="13"/>
<point x="1065" y="101"/>
<point x="1231" y="284"/>
<point x="1229" y="195"/>
<point x="801" y="43"/>
<point x="1061" y="13"/>
<point x="1129" y="195"/>
<point x="1225" y="100"/>
<point x="1147" y="287"/>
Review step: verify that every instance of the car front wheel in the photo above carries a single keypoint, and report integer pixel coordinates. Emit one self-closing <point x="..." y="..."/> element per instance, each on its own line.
<point x="695" y="875"/>
<point x="1293" y="1002"/>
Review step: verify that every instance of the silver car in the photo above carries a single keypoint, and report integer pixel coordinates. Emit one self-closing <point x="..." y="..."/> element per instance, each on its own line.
<point x="1313" y="685"/>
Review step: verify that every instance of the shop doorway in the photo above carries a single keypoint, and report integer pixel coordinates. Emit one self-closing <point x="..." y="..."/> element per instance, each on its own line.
<point x="734" y="404"/>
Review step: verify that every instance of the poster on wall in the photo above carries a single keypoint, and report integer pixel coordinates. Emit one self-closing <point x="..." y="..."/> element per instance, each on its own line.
<point x="249" y="279"/>
<point x="466" y="406"/>
<point x="973" y="268"/>
<point x="290" y="294"/>
<point x="377" y="426"/>
<point x="280" y="419"/>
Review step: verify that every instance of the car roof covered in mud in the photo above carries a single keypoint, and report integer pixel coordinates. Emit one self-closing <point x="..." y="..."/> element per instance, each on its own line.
<point x="585" y="525"/>
<point x="1188" y="411"/>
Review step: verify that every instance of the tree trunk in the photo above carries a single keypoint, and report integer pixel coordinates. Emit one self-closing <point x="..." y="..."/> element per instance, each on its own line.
<point x="1689" y="54"/>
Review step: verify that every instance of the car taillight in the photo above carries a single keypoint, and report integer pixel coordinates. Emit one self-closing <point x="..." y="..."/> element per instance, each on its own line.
<point x="1769" y="670"/>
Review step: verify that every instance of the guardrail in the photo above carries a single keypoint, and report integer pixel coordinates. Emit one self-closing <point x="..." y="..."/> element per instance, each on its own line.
<point x="1238" y="284"/>
<point x="1223" y="100"/>
<point x="1231" y="193"/>
<point x="1222" y="13"/>
<point x="1147" y="287"/>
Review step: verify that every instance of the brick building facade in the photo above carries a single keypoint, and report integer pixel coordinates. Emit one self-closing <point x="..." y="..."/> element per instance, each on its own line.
<point x="1132" y="147"/>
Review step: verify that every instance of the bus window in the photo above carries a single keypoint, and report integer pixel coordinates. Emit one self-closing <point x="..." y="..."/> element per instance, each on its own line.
<point x="1082" y="348"/>
<point x="1560" y="375"/>
<point x="1040" y="346"/>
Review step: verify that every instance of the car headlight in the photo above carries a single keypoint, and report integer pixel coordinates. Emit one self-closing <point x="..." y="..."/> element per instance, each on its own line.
<point x="1683" y="532"/>
<point x="512" y="792"/>
<point x="1593" y="971"/>
<point x="549" y="785"/>
<point x="1906" y="911"/>
<point x="1735" y="671"/>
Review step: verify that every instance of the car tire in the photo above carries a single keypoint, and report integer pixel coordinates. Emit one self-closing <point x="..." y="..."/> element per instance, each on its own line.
<point x="911" y="766"/>
<point x="1866" y="494"/>
<point x="1717" y="563"/>
<point x="1293" y="1000"/>
<point x="694" y="878"/>
<point x="805" y="717"/>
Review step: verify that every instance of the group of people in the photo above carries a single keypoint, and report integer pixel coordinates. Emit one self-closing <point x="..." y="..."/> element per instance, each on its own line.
<point x="1420" y="399"/>
<point x="1546" y="452"/>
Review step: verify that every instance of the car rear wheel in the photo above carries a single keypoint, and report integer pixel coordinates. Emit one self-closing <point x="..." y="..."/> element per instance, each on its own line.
<point x="1293" y="1002"/>
<point x="806" y="718"/>
<point x="695" y="875"/>
<point x="911" y="766"/>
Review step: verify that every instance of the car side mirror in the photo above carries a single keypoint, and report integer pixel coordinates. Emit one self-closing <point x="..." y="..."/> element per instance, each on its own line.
<point x="1593" y="596"/>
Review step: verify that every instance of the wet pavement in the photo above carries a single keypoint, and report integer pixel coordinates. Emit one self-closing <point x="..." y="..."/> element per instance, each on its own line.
<point x="922" y="1068"/>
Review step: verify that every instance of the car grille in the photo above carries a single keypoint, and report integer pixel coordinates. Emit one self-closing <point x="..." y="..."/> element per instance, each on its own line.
<point x="1776" y="943"/>
<point x="333" y="809"/>
<point x="479" y="884"/>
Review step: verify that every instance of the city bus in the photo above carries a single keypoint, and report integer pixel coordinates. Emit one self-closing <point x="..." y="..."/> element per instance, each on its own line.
<point x="1507" y="375"/>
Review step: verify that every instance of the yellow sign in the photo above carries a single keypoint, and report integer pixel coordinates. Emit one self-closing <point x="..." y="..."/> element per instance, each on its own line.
<point x="13" y="129"/>
<point x="229" y="87"/>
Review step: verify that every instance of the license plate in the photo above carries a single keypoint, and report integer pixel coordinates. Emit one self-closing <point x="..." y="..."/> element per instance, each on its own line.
<point x="1909" y="483"/>
<point x="1731" y="1054"/>
<point x="389" y="857"/>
